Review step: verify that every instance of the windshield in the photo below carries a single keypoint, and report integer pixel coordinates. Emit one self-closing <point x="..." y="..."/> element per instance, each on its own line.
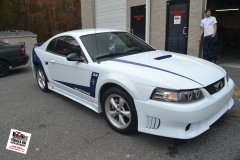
<point x="102" y="46"/>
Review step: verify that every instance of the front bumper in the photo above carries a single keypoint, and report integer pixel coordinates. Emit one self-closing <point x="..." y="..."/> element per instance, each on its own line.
<point x="184" y="121"/>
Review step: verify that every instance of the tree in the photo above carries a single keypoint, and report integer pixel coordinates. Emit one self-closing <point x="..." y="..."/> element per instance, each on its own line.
<point x="43" y="17"/>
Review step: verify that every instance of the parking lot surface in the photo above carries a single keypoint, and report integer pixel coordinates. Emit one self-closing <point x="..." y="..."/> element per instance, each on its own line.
<point x="65" y="130"/>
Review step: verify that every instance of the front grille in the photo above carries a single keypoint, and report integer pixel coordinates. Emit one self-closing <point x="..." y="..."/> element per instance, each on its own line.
<point x="215" y="87"/>
<point x="153" y="122"/>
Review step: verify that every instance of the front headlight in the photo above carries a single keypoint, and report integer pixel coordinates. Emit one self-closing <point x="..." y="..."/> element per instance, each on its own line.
<point x="176" y="95"/>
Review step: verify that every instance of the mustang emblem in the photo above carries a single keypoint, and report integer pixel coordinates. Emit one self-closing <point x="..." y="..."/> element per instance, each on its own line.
<point x="218" y="85"/>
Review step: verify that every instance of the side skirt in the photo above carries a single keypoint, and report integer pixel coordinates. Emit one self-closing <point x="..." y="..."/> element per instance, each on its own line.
<point x="74" y="98"/>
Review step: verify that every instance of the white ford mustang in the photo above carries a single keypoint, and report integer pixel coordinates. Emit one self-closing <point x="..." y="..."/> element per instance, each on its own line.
<point x="137" y="87"/>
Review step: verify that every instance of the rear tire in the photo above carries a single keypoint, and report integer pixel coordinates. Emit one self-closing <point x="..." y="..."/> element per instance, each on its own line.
<point x="41" y="79"/>
<point x="4" y="68"/>
<point x="119" y="110"/>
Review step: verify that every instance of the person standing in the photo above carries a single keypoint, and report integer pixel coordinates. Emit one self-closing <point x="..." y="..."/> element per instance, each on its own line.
<point x="208" y="29"/>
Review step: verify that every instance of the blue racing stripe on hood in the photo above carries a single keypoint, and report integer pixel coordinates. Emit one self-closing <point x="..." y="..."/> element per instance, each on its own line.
<point x="148" y="66"/>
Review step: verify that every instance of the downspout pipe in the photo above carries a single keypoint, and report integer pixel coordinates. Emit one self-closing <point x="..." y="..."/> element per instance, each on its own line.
<point x="148" y="17"/>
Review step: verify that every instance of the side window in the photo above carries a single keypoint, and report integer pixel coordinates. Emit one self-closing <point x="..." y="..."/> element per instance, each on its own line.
<point x="61" y="47"/>
<point x="73" y="46"/>
<point x="64" y="46"/>
<point x="51" y="46"/>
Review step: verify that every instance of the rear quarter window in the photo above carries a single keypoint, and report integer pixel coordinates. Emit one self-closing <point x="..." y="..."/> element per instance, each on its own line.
<point x="51" y="46"/>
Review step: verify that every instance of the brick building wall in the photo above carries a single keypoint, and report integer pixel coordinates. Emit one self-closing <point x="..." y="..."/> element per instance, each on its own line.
<point x="158" y="23"/>
<point x="195" y="16"/>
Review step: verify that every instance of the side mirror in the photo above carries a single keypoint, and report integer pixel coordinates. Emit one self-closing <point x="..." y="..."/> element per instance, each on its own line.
<point x="75" y="57"/>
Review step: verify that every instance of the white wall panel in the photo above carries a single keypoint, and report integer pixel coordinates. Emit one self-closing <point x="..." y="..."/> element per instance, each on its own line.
<point x="111" y="14"/>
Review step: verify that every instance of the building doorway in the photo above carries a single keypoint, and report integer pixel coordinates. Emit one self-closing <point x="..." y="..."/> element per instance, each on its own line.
<point x="177" y="26"/>
<point x="227" y="44"/>
<point x="138" y="21"/>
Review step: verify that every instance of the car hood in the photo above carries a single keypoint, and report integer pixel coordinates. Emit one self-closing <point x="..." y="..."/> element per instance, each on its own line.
<point x="176" y="70"/>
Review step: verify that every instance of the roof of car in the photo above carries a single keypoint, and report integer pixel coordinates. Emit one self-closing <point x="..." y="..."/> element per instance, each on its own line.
<point x="82" y="32"/>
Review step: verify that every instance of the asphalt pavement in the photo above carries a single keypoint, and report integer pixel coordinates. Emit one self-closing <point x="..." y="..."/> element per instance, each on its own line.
<point x="65" y="130"/>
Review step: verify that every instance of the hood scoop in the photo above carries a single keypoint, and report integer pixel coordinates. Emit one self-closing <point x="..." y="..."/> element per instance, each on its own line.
<point x="163" y="57"/>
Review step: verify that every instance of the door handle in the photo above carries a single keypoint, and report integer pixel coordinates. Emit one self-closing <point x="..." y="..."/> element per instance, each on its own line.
<point x="52" y="61"/>
<point x="185" y="30"/>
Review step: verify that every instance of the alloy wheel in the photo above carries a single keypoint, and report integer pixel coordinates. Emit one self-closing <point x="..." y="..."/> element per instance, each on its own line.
<point x="118" y="111"/>
<point x="41" y="79"/>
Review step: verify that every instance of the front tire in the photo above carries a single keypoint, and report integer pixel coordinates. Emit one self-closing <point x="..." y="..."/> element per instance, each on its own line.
<point x="41" y="79"/>
<point x="119" y="110"/>
<point x="4" y="68"/>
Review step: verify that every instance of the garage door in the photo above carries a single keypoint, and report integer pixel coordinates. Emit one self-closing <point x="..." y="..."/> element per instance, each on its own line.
<point x="111" y="14"/>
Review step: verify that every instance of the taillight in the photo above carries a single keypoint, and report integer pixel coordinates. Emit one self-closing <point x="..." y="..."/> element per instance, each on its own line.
<point x="23" y="51"/>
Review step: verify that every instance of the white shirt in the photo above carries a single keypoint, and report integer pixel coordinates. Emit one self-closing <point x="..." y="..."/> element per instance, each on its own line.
<point x="208" y="25"/>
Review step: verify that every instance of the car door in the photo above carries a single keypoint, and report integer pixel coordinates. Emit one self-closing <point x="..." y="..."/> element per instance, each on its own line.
<point x="69" y="77"/>
<point x="177" y="26"/>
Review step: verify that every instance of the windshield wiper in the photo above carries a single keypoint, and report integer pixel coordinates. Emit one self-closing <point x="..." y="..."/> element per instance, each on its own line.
<point x="137" y="50"/>
<point x="110" y="55"/>
<point x="132" y="50"/>
<point x="127" y="52"/>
